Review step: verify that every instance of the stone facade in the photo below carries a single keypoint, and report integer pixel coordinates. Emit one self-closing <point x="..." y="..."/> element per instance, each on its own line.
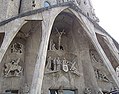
<point x="55" y="47"/>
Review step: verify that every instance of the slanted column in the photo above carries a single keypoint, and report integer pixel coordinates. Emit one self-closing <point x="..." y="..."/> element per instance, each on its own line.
<point x="83" y="51"/>
<point x="10" y="33"/>
<point x="104" y="58"/>
<point x="89" y="28"/>
<point x="47" y="23"/>
<point x="41" y="59"/>
<point x="112" y="47"/>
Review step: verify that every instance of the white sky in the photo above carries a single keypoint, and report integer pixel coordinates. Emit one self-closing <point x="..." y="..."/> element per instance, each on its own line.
<point x="108" y="13"/>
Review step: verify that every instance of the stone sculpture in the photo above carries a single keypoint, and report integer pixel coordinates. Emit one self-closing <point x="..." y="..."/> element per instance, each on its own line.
<point x="59" y="39"/>
<point x="17" y="48"/>
<point x="117" y="71"/>
<point x="65" y="65"/>
<point x="101" y="76"/>
<point x="52" y="45"/>
<point x="26" y="89"/>
<point x="57" y="64"/>
<point x="87" y="91"/>
<point x="13" y="68"/>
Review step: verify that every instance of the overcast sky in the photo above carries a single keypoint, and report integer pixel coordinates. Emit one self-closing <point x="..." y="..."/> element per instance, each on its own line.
<point x="108" y="13"/>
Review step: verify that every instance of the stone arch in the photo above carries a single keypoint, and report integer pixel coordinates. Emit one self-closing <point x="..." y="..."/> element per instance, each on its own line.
<point x="36" y="88"/>
<point x="22" y="49"/>
<point x="104" y="42"/>
<point x="9" y="37"/>
<point x="91" y="35"/>
<point x="71" y="13"/>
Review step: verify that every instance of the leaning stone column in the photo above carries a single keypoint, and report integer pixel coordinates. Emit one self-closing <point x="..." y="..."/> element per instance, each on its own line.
<point x="88" y="71"/>
<point x="89" y="28"/>
<point x="47" y="23"/>
<point x="40" y="63"/>
<point x="112" y="47"/>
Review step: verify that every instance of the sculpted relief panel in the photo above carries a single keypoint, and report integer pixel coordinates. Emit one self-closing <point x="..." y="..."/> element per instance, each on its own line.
<point x="99" y="68"/>
<point x="61" y="64"/>
<point x="13" y="68"/>
<point x="12" y="71"/>
<point x="17" y="48"/>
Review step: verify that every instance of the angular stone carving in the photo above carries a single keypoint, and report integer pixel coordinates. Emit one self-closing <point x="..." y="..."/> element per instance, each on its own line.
<point x="95" y="57"/>
<point x="17" y="48"/>
<point x="13" y="68"/>
<point x="87" y="91"/>
<point x="101" y="76"/>
<point x="57" y="64"/>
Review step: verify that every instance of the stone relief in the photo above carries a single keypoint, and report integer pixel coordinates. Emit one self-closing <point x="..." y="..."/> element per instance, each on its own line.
<point x="13" y="68"/>
<point x="95" y="57"/>
<point x="101" y="76"/>
<point x="17" y="48"/>
<point x="57" y="64"/>
<point x="87" y="91"/>
<point x="117" y="71"/>
<point x="26" y="89"/>
<point x="52" y="45"/>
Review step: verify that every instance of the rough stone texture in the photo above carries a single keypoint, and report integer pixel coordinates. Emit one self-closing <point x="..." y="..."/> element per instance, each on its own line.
<point x="87" y="60"/>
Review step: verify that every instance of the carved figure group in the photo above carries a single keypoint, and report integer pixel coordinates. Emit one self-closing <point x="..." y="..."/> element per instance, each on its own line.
<point x="17" y="48"/>
<point x="13" y="68"/>
<point x="52" y="45"/>
<point x="57" y="64"/>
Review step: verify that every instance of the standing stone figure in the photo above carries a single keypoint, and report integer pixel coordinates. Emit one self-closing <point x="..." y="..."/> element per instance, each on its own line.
<point x="52" y="45"/>
<point x="58" y="61"/>
<point x="65" y="65"/>
<point x="48" y="66"/>
<point x="60" y="36"/>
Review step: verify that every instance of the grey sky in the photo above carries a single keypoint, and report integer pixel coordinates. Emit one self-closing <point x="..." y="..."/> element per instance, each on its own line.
<point x="108" y="13"/>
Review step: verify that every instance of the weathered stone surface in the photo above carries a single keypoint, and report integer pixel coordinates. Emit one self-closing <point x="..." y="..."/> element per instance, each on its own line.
<point x="58" y="49"/>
